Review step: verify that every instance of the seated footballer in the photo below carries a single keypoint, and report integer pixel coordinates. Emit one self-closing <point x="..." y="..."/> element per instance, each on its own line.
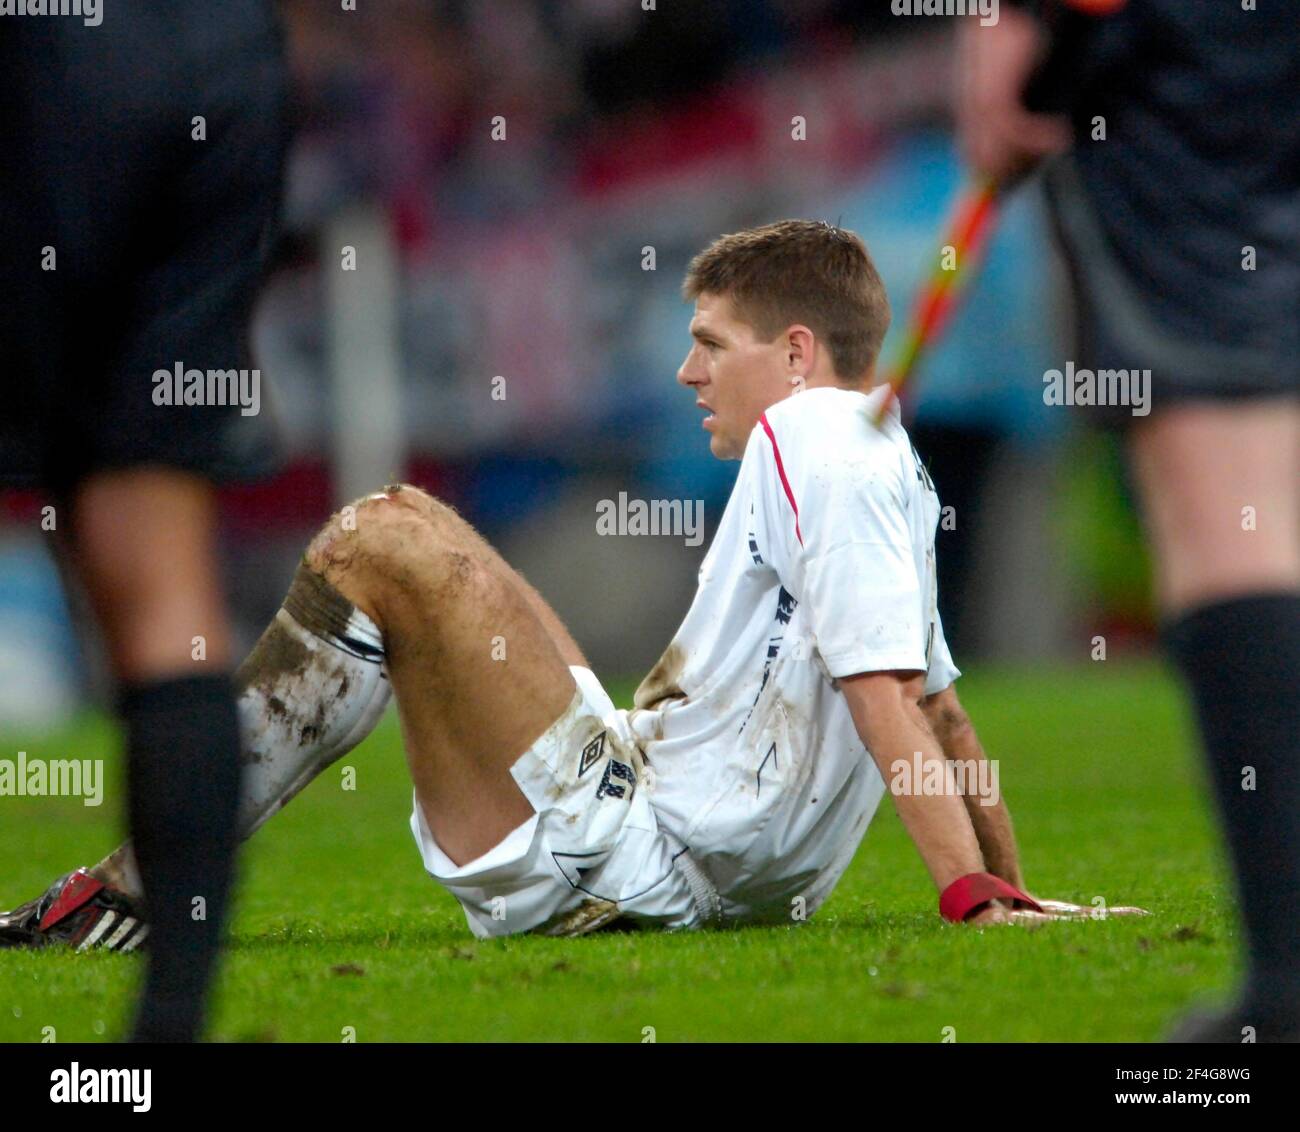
<point x="811" y="663"/>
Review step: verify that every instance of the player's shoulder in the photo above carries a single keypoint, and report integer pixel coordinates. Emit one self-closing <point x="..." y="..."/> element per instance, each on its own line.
<point x="831" y="428"/>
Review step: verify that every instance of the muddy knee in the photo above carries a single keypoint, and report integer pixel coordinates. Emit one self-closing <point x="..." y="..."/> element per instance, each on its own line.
<point x="399" y="543"/>
<point x="369" y="527"/>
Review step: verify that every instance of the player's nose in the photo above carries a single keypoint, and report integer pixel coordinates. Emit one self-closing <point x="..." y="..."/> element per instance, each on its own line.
<point x="688" y="373"/>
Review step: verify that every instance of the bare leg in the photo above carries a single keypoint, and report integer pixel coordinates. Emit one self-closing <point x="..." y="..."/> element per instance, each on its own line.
<point x="143" y="542"/>
<point x="477" y="673"/>
<point x="479" y="661"/>
<point x="1197" y="467"/>
<point x="1218" y="485"/>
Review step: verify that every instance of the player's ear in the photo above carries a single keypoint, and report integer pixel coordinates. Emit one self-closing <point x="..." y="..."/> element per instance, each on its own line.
<point x="799" y="342"/>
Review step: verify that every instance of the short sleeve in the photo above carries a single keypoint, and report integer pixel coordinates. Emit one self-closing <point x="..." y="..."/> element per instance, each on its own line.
<point x="848" y="554"/>
<point x="860" y="578"/>
<point x="942" y="671"/>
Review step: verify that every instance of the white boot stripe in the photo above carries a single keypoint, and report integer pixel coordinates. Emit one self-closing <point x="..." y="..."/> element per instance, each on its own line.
<point x="123" y="930"/>
<point x="135" y="941"/>
<point x="106" y="922"/>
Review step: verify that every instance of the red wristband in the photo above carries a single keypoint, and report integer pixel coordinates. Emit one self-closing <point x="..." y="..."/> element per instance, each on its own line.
<point x="968" y="894"/>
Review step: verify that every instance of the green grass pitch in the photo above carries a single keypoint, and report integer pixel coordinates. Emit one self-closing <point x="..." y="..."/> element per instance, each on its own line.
<point x="339" y="933"/>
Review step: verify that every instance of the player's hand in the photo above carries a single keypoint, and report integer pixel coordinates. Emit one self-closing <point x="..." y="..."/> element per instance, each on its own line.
<point x="994" y="912"/>
<point x="1063" y="910"/>
<point x="998" y="136"/>
<point x="997" y="912"/>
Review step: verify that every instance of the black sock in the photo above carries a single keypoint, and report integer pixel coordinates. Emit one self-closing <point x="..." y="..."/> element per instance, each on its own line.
<point x="1241" y="658"/>
<point x="183" y="776"/>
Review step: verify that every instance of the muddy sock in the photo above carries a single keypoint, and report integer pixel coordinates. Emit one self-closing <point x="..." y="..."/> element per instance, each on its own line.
<point x="312" y="688"/>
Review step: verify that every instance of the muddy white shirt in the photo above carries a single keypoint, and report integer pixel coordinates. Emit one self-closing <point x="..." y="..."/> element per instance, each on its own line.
<point x="822" y="567"/>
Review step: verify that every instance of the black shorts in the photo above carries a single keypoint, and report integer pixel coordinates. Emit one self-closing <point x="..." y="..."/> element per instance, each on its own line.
<point x="130" y="245"/>
<point x="1121" y="324"/>
<point x="1198" y="173"/>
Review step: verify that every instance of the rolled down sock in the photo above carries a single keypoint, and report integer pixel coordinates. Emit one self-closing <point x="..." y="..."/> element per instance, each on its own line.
<point x="313" y="687"/>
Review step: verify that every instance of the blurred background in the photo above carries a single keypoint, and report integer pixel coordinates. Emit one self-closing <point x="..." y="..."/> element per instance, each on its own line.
<point x="520" y="184"/>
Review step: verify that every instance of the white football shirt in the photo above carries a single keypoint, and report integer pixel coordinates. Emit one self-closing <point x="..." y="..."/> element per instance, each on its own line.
<point x="822" y="567"/>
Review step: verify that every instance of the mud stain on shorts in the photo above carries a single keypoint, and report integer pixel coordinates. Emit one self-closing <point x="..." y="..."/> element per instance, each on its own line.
<point x="589" y="916"/>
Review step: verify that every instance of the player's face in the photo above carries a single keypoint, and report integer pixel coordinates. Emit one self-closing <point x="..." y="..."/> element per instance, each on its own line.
<point x="735" y="377"/>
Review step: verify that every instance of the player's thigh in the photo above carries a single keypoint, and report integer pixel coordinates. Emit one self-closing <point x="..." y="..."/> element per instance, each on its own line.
<point x="143" y="543"/>
<point x="1218" y="486"/>
<point x="477" y="674"/>
<point x="550" y="621"/>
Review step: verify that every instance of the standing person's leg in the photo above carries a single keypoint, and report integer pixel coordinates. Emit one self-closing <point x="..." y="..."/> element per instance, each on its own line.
<point x="143" y="544"/>
<point x="161" y="231"/>
<point x="1199" y="466"/>
<point x="1218" y="484"/>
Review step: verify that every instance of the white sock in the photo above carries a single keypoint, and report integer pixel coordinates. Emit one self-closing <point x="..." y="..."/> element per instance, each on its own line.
<point x="313" y="687"/>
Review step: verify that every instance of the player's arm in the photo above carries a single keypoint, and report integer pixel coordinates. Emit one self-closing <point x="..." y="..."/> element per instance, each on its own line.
<point x="953" y="729"/>
<point x="890" y="720"/>
<point x="992" y="822"/>
<point x="886" y="710"/>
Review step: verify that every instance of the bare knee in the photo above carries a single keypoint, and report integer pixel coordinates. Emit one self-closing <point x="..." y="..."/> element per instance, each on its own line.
<point x="395" y="544"/>
<point x="370" y="527"/>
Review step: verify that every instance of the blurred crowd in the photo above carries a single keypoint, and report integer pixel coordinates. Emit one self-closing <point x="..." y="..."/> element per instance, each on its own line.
<point x="521" y="184"/>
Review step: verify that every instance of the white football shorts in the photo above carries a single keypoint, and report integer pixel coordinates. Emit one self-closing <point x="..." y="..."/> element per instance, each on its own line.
<point x="593" y="852"/>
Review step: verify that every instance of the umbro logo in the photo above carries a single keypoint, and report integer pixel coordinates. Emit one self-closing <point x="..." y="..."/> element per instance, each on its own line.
<point x="591" y="754"/>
